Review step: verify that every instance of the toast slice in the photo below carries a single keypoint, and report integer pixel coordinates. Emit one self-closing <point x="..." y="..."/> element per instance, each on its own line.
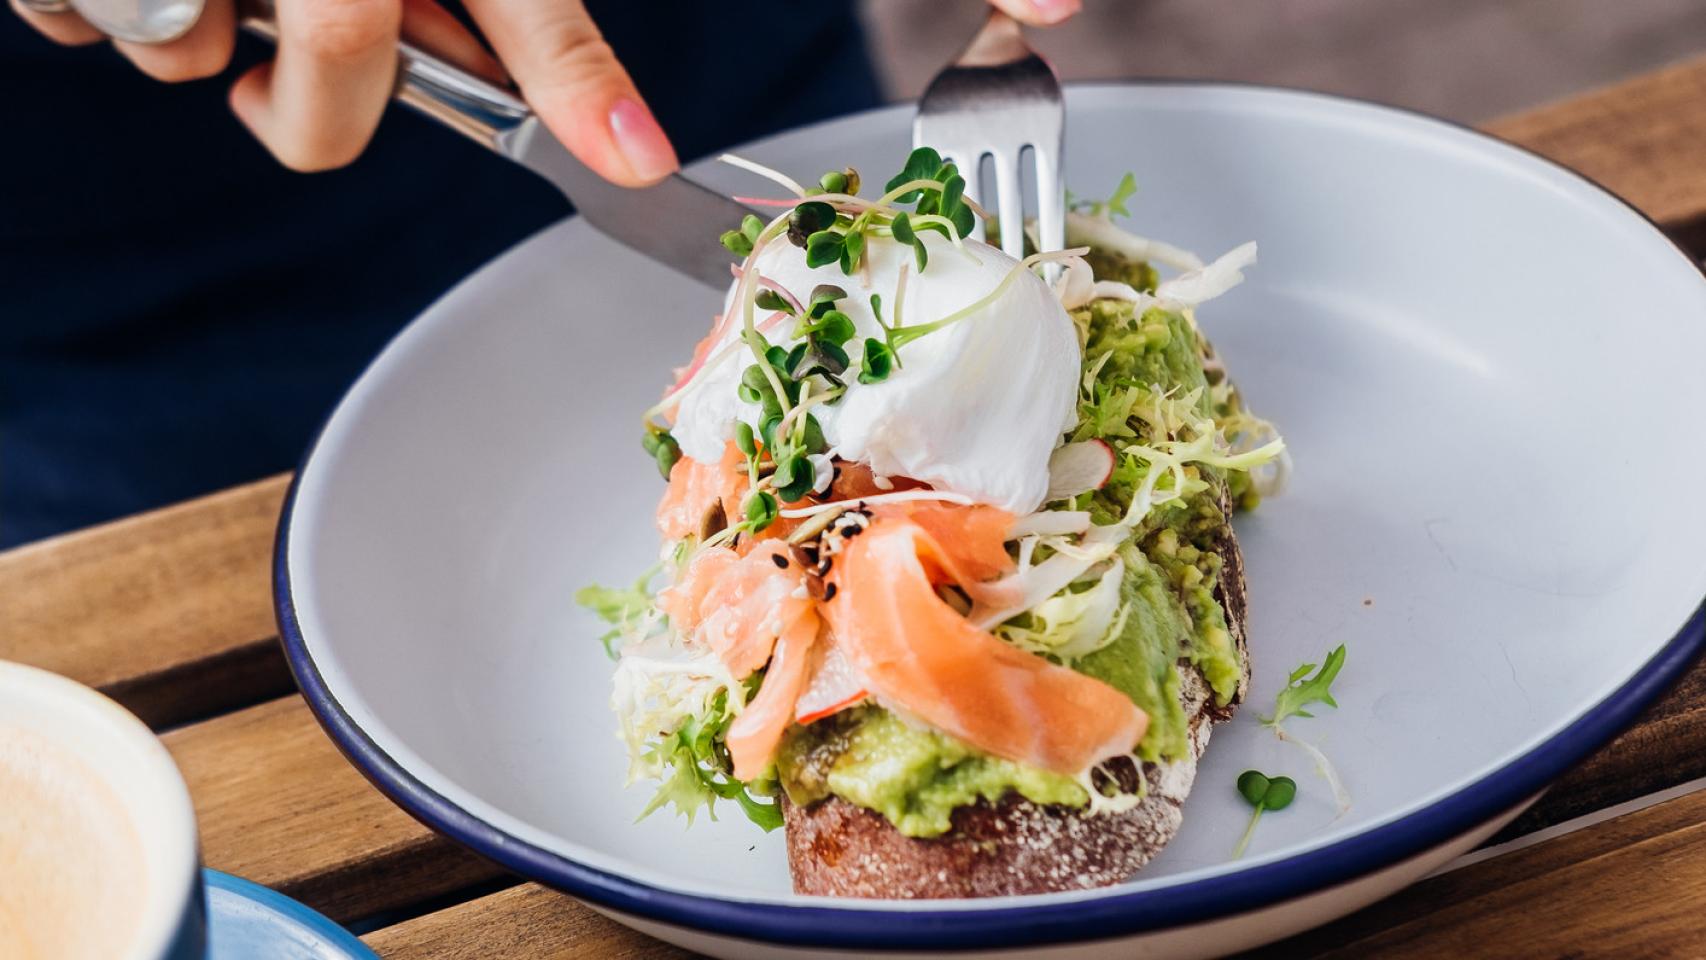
<point x="836" y="848"/>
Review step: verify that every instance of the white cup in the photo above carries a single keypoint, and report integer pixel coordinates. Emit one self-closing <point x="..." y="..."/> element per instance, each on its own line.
<point x="98" y="852"/>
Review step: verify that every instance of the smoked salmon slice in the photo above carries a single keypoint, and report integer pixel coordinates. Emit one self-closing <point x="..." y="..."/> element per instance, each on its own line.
<point x="739" y="605"/>
<point x="971" y="542"/>
<point x="694" y="486"/>
<point x="753" y="736"/>
<point x="918" y="655"/>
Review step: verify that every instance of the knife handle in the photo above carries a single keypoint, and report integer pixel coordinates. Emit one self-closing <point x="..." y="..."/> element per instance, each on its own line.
<point x="473" y="107"/>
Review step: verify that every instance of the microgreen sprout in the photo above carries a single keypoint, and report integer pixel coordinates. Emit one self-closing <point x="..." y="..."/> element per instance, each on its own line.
<point x="902" y="229"/>
<point x="739" y="242"/>
<point x="1114" y="204"/>
<point x="760" y="510"/>
<point x="878" y="361"/>
<point x="661" y="446"/>
<point x="1263" y="793"/>
<point x="1306" y="686"/>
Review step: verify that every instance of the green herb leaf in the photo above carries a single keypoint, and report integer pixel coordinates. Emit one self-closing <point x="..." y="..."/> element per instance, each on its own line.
<point x="761" y="510"/>
<point x="877" y="308"/>
<point x="813" y="439"/>
<point x="823" y="248"/>
<point x="852" y="250"/>
<point x="621" y="607"/>
<point x="769" y="299"/>
<point x="744" y="440"/>
<point x="835" y="326"/>
<point x="1122" y="193"/>
<point x="766" y="815"/>
<point x="751" y="227"/>
<point x="833" y="182"/>
<point x="662" y="448"/>
<point x="878" y="361"/>
<point x="824" y="298"/>
<point x="736" y="243"/>
<point x="753" y="377"/>
<point x="1281" y="791"/>
<point x="902" y="227"/>
<point x="793" y="479"/>
<point x="809" y="218"/>
<point x="1263" y="793"/>
<point x="923" y="163"/>
<point x="668" y="453"/>
<point x="1304" y="689"/>
<point x="1253" y="786"/>
<point x="953" y="195"/>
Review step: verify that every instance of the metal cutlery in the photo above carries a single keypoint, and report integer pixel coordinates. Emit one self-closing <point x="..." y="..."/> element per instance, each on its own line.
<point x="998" y="99"/>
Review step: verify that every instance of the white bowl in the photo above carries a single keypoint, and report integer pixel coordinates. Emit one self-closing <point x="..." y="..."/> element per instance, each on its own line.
<point x="1487" y="369"/>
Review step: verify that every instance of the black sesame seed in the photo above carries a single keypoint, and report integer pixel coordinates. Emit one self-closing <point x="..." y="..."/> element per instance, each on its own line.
<point x="779" y="560"/>
<point x="828" y="591"/>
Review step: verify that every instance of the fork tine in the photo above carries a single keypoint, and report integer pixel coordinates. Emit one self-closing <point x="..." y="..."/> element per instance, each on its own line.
<point x="971" y="168"/>
<point x="1010" y="205"/>
<point x="1051" y="204"/>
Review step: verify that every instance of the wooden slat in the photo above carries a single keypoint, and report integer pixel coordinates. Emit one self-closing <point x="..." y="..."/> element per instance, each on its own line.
<point x="277" y="804"/>
<point x="1634" y="886"/>
<point x="168" y="612"/>
<point x="1643" y="139"/>
<point x="526" y="921"/>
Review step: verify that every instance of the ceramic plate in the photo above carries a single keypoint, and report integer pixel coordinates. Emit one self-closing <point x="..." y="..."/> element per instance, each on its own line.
<point x="1487" y="370"/>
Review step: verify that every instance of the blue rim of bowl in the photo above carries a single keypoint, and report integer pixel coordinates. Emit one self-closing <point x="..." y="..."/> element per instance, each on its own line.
<point x="1060" y="922"/>
<point x="287" y="912"/>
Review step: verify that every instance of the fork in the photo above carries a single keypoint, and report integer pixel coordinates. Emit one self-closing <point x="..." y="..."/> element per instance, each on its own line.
<point x="995" y="100"/>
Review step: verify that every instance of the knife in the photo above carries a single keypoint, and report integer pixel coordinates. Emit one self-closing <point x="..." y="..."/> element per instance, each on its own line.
<point x="505" y="124"/>
<point x="498" y="120"/>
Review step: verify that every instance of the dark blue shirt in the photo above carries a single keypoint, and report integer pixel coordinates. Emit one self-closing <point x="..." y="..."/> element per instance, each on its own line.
<point x="178" y="312"/>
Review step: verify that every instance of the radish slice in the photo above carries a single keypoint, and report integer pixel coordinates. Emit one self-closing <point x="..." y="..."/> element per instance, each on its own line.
<point x="834" y="687"/>
<point x="1078" y="467"/>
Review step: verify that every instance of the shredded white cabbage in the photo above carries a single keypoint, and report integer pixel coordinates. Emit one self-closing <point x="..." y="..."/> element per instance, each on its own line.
<point x="655" y="689"/>
<point x="1083" y="229"/>
<point x="1049" y="522"/>
<point x="1205" y="283"/>
<point x="1072" y="625"/>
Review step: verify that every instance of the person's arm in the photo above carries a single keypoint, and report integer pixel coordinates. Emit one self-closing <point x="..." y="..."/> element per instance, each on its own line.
<point x="316" y="104"/>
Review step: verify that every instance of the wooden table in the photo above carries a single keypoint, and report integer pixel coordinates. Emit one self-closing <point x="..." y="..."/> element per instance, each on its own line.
<point x="170" y="612"/>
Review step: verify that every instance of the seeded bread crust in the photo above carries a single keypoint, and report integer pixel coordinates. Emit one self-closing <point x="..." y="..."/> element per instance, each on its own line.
<point x="836" y="848"/>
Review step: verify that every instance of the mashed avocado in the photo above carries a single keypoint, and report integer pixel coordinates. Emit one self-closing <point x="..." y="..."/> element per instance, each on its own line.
<point x="917" y="777"/>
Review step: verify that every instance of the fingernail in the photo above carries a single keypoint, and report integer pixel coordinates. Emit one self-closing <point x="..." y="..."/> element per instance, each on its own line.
<point x="1054" y="11"/>
<point x="641" y="140"/>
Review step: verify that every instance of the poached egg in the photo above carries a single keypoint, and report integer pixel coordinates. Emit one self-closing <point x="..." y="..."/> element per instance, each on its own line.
<point x="974" y="408"/>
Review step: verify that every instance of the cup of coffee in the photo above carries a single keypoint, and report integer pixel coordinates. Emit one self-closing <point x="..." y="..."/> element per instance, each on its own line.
<point x="98" y="853"/>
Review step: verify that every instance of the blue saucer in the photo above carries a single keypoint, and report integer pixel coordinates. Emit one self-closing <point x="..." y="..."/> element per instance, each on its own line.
<point x="247" y="921"/>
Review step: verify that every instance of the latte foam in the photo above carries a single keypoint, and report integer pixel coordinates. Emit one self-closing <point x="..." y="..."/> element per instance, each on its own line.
<point x="73" y="880"/>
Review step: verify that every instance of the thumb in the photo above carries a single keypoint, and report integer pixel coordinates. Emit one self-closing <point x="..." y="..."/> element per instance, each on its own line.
<point x="571" y="78"/>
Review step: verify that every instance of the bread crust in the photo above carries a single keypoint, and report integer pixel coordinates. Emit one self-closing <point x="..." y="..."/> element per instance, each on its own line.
<point x="837" y="848"/>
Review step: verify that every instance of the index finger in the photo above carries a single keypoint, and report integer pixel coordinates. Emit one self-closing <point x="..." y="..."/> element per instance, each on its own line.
<point x="571" y="78"/>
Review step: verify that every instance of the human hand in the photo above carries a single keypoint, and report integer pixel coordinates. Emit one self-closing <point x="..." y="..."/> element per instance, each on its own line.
<point x="316" y="104"/>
